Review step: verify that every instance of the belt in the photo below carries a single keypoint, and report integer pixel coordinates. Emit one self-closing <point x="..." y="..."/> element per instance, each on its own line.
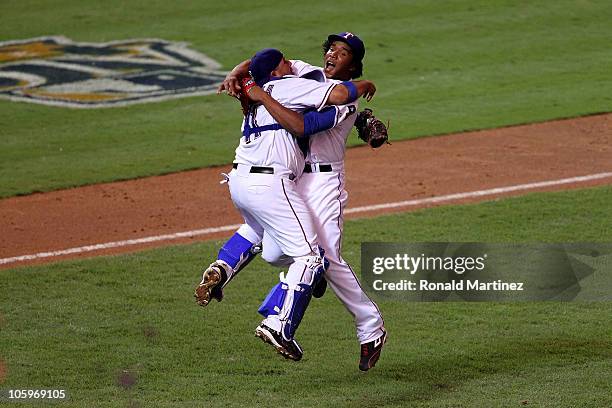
<point x="257" y="169"/>
<point x="314" y="168"/>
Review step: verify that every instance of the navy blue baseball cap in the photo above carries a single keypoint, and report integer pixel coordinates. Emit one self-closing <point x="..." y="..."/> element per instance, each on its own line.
<point x="353" y="41"/>
<point x="263" y="63"/>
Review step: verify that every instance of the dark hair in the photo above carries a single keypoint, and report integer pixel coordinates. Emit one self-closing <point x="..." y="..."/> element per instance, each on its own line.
<point x="357" y="64"/>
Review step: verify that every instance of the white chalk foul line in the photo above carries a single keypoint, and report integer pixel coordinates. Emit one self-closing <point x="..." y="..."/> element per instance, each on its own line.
<point x="117" y="244"/>
<point x="479" y="193"/>
<point x="207" y="231"/>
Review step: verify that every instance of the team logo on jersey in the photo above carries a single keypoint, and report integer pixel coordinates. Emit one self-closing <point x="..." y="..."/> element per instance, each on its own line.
<point x="58" y="71"/>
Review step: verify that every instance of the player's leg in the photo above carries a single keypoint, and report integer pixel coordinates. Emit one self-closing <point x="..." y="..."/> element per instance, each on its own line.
<point x="369" y="323"/>
<point x="342" y="280"/>
<point x="272" y="253"/>
<point x="237" y="252"/>
<point x="233" y="256"/>
<point x="286" y="220"/>
<point x="326" y="197"/>
<point x="286" y="304"/>
<point x="240" y="249"/>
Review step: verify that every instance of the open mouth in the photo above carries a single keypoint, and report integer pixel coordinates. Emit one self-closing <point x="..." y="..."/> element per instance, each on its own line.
<point x="329" y="65"/>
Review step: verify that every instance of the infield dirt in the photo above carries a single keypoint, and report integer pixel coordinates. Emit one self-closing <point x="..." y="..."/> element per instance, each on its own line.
<point x="407" y="170"/>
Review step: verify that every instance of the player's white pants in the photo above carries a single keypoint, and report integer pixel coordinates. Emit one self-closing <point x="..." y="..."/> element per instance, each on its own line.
<point x="326" y="198"/>
<point x="270" y="203"/>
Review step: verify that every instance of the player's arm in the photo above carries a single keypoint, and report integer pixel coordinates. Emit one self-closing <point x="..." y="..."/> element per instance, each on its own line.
<point x="295" y="123"/>
<point x="314" y="121"/>
<point x="231" y="83"/>
<point x="348" y="92"/>
<point x="341" y="94"/>
<point x="292" y="121"/>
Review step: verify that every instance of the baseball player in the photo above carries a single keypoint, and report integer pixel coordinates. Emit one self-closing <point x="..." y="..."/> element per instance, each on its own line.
<point x="262" y="187"/>
<point x="322" y="187"/>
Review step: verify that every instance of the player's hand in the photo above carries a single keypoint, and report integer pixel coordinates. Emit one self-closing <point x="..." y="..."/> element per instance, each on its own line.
<point x="370" y="90"/>
<point x="250" y="94"/>
<point x="231" y="84"/>
<point x="253" y="91"/>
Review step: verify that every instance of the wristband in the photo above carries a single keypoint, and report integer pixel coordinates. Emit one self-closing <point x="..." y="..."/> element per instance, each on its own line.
<point x="353" y="95"/>
<point x="247" y="83"/>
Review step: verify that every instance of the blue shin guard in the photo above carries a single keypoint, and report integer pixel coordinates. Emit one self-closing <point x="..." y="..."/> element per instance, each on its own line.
<point x="289" y="302"/>
<point x="296" y="310"/>
<point x="274" y="301"/>
<point x="237" y="252"/>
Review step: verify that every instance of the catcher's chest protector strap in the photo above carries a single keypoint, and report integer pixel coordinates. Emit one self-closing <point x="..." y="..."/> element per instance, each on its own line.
<point x="249" y="130"/>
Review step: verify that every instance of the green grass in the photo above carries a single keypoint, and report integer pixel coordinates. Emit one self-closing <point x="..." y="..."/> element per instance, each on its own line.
<point x="78" y="325"/>
<point x="439" y="67"/>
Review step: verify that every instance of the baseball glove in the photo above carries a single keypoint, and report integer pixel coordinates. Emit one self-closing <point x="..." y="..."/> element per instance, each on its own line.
<point x="246" y="84"/>
<point x="370" y="129"/>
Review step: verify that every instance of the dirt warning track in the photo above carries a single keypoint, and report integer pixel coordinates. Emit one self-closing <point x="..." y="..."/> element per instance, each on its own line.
<point x="189" y="206"/>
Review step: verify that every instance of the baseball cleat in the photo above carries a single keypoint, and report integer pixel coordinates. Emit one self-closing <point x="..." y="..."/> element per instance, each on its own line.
<point x="288" y="349"/>
<point x="370" y="352"/>
<point x="211" y="286"/>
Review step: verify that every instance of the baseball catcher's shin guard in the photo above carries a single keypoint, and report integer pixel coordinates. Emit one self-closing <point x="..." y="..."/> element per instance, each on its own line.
<point x="237" y="252"/>
<point x="294" y="309"/>
<point x="287" y="302"/>
<point x="274" y="301"/>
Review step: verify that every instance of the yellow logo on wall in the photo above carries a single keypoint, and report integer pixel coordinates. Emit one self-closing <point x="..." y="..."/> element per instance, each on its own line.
<point x="58" y="71"/>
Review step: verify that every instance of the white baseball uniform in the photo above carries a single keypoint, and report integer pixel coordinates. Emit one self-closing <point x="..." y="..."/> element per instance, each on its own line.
<point x="263" y="188"/>
<point x="323" y="191"/>
<point x="269" y="201"/>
